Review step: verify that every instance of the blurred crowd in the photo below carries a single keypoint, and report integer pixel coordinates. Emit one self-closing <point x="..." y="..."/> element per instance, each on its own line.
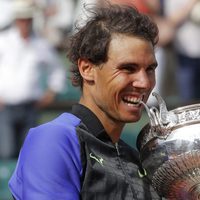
<point x="33" y="34"/>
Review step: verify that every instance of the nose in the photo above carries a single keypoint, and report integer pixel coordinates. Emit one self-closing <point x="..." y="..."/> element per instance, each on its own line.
<point x="142" y="80"/>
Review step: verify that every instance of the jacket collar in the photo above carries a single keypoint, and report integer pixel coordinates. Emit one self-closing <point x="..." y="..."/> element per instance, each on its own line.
<point x="89" y="119"/>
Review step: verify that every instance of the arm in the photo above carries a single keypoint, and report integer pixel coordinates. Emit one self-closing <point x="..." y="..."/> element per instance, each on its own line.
<point x="47" y="99"/>
<point x="174" y="17"/>
<point x="178" y="16"/>
<point x="55" y="80"/>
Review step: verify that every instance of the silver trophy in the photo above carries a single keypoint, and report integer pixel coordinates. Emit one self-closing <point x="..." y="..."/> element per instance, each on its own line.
<point x="170" y="150"/>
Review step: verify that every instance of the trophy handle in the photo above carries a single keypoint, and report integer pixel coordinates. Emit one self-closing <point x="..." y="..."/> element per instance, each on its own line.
<point x="161" y="120"/>
<point x="166" y="117"/>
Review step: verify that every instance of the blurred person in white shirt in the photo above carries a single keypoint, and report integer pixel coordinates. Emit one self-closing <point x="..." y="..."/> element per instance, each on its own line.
<point x="31" y="74"/>
<point x="54" y="19"/>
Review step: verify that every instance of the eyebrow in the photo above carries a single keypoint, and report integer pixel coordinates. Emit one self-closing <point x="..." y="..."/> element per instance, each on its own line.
<point x="124" y="64"/>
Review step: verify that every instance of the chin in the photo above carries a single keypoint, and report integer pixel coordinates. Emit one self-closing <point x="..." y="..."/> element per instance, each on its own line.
<point x="132" y="119"/>
<point x="136" y="119"/>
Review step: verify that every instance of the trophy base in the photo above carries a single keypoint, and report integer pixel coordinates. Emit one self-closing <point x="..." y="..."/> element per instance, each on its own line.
<point x="179" y="178"/>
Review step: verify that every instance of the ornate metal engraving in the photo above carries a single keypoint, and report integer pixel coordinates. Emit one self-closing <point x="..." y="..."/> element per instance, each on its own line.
<point x="170" y="150"/>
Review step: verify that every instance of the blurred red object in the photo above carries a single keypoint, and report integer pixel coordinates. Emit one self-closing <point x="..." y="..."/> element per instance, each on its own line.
<point x="141" y="5"/>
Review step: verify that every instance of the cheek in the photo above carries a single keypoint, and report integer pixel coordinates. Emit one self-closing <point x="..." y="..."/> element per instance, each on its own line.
<point x="117" y="84"/>
<point x="109" y="88"/>
<point x="153" y="81"/>
<point x="120" y="78"/>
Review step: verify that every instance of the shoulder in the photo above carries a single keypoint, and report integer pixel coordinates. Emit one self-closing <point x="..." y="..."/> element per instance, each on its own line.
<point x="52" y="144"/>
<point x="49" y="157"/>
<point x="9" y="34"/>
<point x="60" y="130"/>
<point x="64" y="122"/>
<point x="41" y="42"/>
<point x="56" y="138"/>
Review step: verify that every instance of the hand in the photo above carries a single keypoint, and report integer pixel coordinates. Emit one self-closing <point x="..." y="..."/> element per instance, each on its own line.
<point x="47" y="99"/>
<point x="2" y="104"/>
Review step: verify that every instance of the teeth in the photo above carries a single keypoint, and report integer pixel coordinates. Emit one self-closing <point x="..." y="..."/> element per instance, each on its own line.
<point x="132" y="100"/>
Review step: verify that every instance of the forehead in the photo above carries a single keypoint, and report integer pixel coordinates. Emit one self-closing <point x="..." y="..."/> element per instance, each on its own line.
<point x="23" y="20"/>
<point x="124" y="47"/>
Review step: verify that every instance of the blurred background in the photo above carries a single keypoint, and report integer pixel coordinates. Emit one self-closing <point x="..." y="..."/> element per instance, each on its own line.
<point x="35" y="82"/>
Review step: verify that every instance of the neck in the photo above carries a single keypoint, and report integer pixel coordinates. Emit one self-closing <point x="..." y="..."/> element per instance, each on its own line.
<point x="112" y="127"/>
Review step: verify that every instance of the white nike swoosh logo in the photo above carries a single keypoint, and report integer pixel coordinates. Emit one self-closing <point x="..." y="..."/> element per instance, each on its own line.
<point x="99" y="160"/>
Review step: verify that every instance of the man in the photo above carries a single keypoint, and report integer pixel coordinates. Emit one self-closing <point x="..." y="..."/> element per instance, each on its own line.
<point x="80" y="155"/>
<point x="31" y="74"/>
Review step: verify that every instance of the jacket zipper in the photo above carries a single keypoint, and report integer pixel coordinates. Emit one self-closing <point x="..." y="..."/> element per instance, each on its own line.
<point x="124" y="171"/>
<point x="117" y="149"/>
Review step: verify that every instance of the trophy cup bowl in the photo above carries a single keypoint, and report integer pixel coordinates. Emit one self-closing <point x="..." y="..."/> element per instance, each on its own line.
<point x="169" y="147"/>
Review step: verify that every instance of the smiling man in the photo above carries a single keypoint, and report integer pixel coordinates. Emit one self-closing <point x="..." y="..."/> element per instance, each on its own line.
<point x="80" y="155"/>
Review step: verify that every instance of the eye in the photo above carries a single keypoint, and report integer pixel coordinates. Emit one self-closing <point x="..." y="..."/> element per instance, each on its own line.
<point x="151" y="69"/>
<point x="129" y="68"/>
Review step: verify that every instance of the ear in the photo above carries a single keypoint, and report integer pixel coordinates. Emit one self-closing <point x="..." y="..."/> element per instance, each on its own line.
<point x="86" y="69"/>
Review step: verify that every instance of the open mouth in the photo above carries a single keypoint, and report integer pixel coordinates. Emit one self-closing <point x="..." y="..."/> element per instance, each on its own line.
<point x="132" y="101"/>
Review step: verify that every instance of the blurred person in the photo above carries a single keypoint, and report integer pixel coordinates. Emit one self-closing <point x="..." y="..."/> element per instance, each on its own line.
<point x="54" y="19"/>
<point x="186" y="43"/>
<point x="25" y="58"/>
<point x="6" y="16"/>
<point x="80" y="155"/>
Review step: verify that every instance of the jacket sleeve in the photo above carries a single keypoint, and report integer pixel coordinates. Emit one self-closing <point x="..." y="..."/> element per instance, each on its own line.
<point x="49" y="165"/>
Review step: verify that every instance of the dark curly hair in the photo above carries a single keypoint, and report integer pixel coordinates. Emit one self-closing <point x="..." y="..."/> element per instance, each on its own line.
<point x="92" y="40"/>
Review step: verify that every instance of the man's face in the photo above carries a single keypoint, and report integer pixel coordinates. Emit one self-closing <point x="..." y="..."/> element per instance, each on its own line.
<point x="126" y="78"/>
<point x="24" y="26"/>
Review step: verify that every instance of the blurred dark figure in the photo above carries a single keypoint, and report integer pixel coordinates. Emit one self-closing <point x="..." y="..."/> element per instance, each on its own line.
<point x="31" y="75"/>
<point x="185" y="15"/>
